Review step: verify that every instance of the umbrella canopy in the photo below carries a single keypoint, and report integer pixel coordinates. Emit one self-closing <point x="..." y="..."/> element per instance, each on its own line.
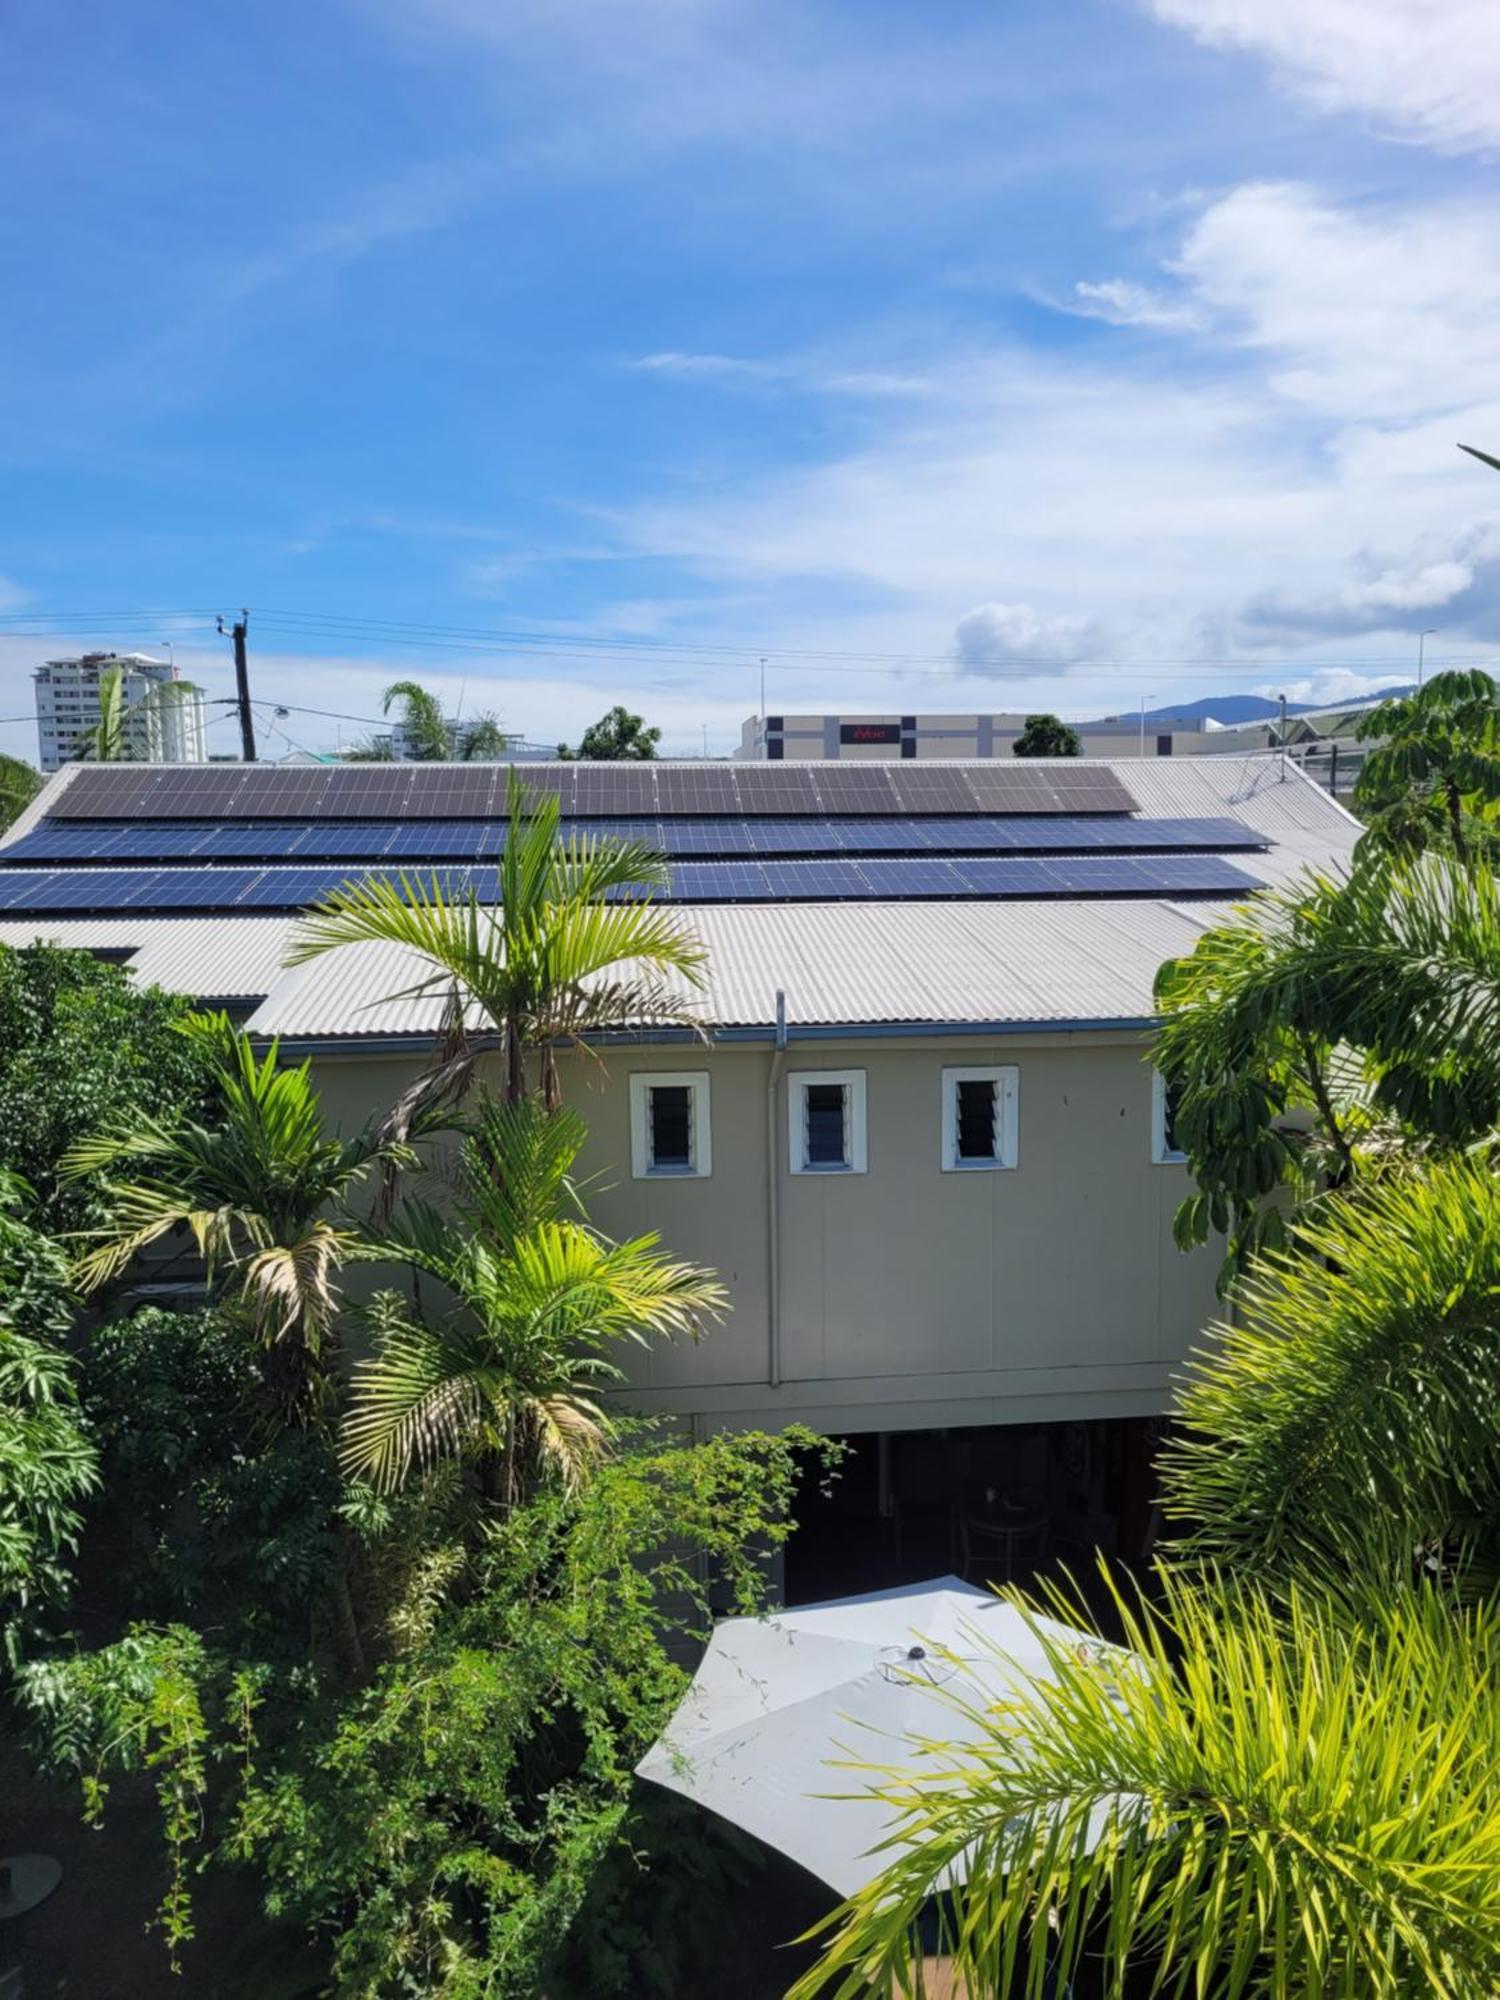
<point x="779" y="1699"/>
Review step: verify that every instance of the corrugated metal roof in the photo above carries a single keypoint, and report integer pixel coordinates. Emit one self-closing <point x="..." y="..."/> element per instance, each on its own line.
<point x="219" y="957"/>
<point x="837" y="963"/>
<point x="863" y="964"/>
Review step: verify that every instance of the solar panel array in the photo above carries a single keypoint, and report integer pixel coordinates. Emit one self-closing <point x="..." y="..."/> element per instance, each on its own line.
<point x="585" y="791"/>
<point x="409" y="841"/>
<point x="144" y="891"/>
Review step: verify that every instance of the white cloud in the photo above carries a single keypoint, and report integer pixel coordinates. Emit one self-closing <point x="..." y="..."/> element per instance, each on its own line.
<point x="1370" y="313"/>
<point x="1012" y="640"/>
<point x="1456" y="579"/>
<point x="1427" y="69"/>
<point x="1330" y="686"/>
<point x="1124" y="304"/>
<point x="795" y="371"/>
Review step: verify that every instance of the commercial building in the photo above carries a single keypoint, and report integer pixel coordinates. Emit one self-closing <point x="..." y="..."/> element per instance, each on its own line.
<point x="920" y="1137"/>
<point x="791" y="738"/>
<point x="164" y="718"/>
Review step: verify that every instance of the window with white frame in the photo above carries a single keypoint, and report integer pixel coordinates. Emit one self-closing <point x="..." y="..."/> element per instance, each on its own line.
<point x="979" y="1118"/>
<point x="826" y="1121"/>
<point x="1165" y="1150"/>
<point x="669" y="1125"/>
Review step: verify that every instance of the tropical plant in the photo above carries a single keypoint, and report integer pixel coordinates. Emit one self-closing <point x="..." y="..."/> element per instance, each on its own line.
<point x="439" y="1828"/>
<point x="82" y="1048"/>
<point x="19" y="784"/>
<point x="1347" y="1424"/>
<point x="570" y="947"/>
<point x="617" y="737"/>
<point x="1047" y="736"/>
<point x="1257" y="1798"/>
<point x="1319" y="1035"/>
<point x="252" y="1187"/>
<point x="482" y="740"/>
<point x="513" y="1374"/>
<point x="421" y="718"/>
<point x="1433" y="779"/>
<point x="48" y="1463"/>
<point x="1483" y="456"/>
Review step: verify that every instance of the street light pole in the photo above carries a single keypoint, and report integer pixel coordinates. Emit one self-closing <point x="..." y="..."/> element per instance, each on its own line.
<point x="1422" y="638"/>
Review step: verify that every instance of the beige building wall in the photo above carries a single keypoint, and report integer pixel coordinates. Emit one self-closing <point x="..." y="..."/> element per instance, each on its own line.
<point x="909" y="1297"/>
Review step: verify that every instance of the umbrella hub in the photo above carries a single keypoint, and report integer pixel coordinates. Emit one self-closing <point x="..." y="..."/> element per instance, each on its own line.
<point x="908" y="1663"/>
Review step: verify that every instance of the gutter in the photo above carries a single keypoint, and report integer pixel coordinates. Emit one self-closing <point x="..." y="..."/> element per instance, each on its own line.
<point x="850" y="1031"/>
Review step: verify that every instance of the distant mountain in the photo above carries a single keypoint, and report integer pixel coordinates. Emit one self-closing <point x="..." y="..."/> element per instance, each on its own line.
<point x="1252" y="707"/>
<point x="1214" y="708"/>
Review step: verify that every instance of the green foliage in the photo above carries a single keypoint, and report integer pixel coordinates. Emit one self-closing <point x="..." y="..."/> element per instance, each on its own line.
<point x="226" y="1518"/>
<point x="421" y="718"/>
<point x="19" y="784"/>
<point x="617" y="737"/>
<point x="48" y="1464"/>
<point x="250" y="1185"/>
<point x="513" y="1375"/>
<point x="1047" y="736"/>
<point x="555" y="960"/>
<point x="482" y="741"/>
<point x="82" y="1048"/>
<point x="442" y="1826"/>
<point x="1483" y="456"/>
<point x="1321" y="1032"/>
<point x="1349" y="1420"/>
<point x="1270" y="1800"/>
<point x="1434" y="778"/>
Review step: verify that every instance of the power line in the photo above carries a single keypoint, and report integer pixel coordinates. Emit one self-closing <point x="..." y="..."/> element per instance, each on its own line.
<point x="785" y="659"/>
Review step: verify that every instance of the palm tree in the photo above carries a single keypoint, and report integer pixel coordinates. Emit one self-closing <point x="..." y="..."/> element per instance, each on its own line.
<point x="421" y="718"/>
<point x="1346" y="1424"/>
<point x="482" y="740"/>
<point x="1321" y="1032"/>
<point x="253" y="1189"/>
<point x="511" y="1375"/>
<point x="556" y="959"/>
<point x="1268" y="1799"/>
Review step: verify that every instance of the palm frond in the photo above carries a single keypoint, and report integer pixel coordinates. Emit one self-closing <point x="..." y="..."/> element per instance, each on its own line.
<point x="412" y="1402"/>
<point x="1266" y="1801"/>
<point x="1351" y="1415"/>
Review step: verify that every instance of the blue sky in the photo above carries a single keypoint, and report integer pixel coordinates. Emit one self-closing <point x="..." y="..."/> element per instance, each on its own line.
<point x="566" y="351"/>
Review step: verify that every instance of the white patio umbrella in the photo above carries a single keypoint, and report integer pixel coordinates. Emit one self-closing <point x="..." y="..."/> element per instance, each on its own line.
<point x="779" y="1700"/>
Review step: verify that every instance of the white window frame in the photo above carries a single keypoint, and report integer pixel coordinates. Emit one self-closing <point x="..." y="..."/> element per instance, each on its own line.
<point x="855" y="1123"/>
<point x="642" y="1083"/>
<point x="1006" y="1078"/>
<point x="1162" y="1155"/>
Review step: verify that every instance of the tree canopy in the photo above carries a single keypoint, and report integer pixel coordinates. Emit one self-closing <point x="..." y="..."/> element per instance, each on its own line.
<point x="617" y="737"/>
<point x="1433" y="779"/>
<point x="421" y="717"/>
<point x="1047" y="736"/>
<point x="19" y="784"/>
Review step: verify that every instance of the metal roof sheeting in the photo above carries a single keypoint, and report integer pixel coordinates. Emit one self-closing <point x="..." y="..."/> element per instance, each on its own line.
<point x="1053" y="963"/>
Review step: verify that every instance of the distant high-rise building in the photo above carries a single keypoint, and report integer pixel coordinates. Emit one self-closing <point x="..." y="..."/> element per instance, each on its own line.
<point x="160" y="727"/>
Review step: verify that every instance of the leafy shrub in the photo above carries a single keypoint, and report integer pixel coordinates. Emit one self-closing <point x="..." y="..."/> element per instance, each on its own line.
<point x="48" y="1465"/>
<point x="81" y="1047"/>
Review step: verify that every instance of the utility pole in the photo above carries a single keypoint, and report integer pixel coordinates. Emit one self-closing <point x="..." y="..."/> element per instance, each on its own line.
<point x="1282" y="733"/>
<point x="237" y="633"/>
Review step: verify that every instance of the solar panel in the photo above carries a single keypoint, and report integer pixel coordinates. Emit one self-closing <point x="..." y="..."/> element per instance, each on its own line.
<point x="697" y="788"/>
<point x="1065" y="787"/>
<point x="603" y="789"/>
<point x="717" y="882"/>
<point x="103" y="792"/>
<point x="935" y="790"/>
<point x="903" y="881"/>
<point x="854" y="788"/>
<point x="776" y="788"/>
